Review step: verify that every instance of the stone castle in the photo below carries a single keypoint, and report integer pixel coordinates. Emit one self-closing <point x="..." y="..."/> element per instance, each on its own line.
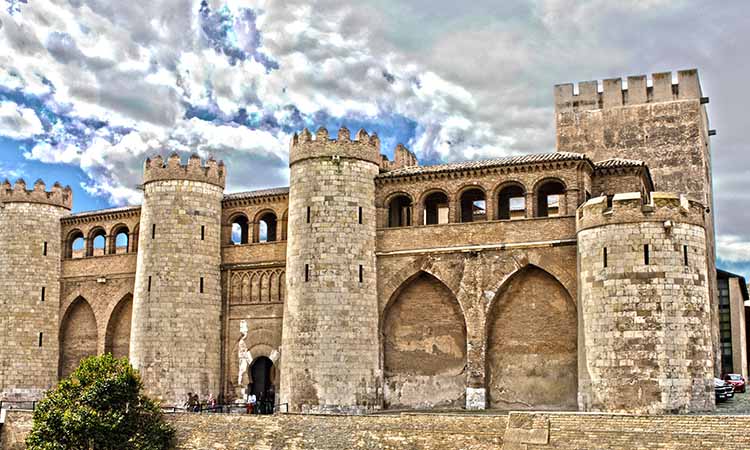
<point x="582" y="279"/>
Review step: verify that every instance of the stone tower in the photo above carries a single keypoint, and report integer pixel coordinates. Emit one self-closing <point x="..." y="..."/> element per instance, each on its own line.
<point x="175" y="337"/>
<point x="30" y="294"/>
<point x="330" y="357"/>
<point x="644" y="305"/>
<point x="665" y="125"/>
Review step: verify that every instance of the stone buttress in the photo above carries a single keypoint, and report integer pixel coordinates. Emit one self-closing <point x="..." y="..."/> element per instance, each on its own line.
<point x="30" y="295"/>
<point x="644" y="305"/>
<point x="330" y="334"/>
<point x="176" y="332"/>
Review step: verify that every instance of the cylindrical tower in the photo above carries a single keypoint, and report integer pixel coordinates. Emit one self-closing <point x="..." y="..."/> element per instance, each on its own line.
<point x="644" y="306"/>
<point x="30" y="295"/>
<point x="330" y="334"/>
<point x="175" y="338"/>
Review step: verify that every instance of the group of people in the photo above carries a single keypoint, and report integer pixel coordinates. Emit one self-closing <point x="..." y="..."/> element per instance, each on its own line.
<point x="193" y="403"/>
<point x="262" y="404"/>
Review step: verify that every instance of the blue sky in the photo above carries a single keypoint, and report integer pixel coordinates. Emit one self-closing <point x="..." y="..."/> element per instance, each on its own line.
<point x="90" y="88"/>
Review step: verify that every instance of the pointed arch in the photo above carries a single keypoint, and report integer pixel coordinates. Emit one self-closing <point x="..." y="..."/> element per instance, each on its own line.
<point x="273" y="283"/>
<point x="255" y="288"/>
<point x="117" y="337"/>
<point x="264" y="288"/>
<point x="531" y="346"/>
<point x="78" y="335"/>
<point x="424" y="345"/>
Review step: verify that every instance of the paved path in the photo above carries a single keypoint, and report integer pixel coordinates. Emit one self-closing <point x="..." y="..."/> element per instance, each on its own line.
<point x="740" y="404"/>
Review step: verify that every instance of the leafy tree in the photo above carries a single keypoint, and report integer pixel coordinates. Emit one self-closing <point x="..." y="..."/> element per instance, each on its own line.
<point x="99" y="407"/>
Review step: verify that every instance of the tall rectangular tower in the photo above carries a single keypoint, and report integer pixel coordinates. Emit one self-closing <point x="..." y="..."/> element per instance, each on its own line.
<point x="664" y="124"/>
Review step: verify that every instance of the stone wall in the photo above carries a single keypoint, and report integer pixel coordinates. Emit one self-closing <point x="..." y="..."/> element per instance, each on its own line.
<point x="30" y="293"/>
<point x="644" y="306"/>
<point x="176" y="333"/>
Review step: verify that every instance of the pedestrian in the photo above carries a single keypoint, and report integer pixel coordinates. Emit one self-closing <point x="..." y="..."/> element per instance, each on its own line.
<point x="211" y="402"/>
<point x="188" y="405"/>
<point x="196" y="403"/>
<point x="253" y="404"/>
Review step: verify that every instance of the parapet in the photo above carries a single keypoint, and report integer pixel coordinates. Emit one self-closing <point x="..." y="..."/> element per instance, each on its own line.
<point x="613" y="93"/>
<point x="57" y="196"/>
<point x="630" y="207"/>
<point x="212" y="172"/>
<point x="364" y="147"/>
<point x="402" y="157"/>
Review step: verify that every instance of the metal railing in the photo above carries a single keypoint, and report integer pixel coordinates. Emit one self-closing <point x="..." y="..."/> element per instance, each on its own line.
<point x="232" y="408"/>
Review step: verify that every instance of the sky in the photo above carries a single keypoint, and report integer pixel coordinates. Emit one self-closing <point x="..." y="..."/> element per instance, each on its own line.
<point x="90" y="88"/>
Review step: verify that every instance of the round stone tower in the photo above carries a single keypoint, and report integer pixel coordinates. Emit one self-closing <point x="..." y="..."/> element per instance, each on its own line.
<point x="30" y="295"/>
<point x="175" y="337"/>
<point x="644" y="306"/>
<point x="330" y="333"/>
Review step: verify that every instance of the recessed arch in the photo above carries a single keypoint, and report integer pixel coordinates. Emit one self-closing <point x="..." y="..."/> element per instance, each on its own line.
<point x="78" y="335"/>
<point x="550" y="197"/>
<point x="472" y="204"/>
<point x="265" y="225"/>
<point x="117" y="337"/>
<point x="424" y="359"/>
<point x="240" y="229"/>
<point x="75" y="244"/>
<point x="436" y="206"/>
<point x="284" y="225"/>
<point x="531" y="346"/>
<point x="399" y="206"/>
<point x="120" y="239"/>
<point x="97" y="242"/>
<point x="511" y="200"/>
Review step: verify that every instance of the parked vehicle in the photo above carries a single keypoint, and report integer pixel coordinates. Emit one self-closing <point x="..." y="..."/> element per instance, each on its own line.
<point x="737" y="381"/>
<point x="723" y="390"/>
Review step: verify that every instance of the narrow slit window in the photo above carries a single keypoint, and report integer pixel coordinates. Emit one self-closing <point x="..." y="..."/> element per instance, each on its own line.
<point x="604" y="255"/>
<point x="149" y="284"/>
<point x="685" y="254"/>
<point x="44" y="291"/>
<point x="153" y="231"/>
<point x="307" y="272"/>
<point x="361" y="273"/>
<point x="308" y="214"/>
<point x="203" y="232"/>
<point x="41" y="338"/>
<point x="201" y="285"/>
<point x="360" y="215"/>
<point x="44" y="250"/>
<point x="645" y="254"/>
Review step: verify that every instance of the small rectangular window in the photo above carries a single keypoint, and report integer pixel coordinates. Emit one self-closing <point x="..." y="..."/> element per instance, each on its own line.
<point x="153" y="231"/>
<point x="308" y="214"/>
<point x="360" y="215"/>
<point x="44" y="250"/>
<point x="605" y="256"/>
<point x="44" y="291"/>
<point x="203" y="232"/>
<point x="41" y="338"/>
<point x="149" y="284"/>
<point x="685" y="254"/>
<point x="307" y="272"/>
<point x="361" y="273"/>
<point x="645" y="254"/>
<point x="201" y="285"/>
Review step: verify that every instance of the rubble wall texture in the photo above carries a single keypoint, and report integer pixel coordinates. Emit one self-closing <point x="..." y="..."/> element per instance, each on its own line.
<point x="29" y="223"/>
<point x="176" y="331"/>
<point x="329" y="360"/>
<point x="644" y="306"/>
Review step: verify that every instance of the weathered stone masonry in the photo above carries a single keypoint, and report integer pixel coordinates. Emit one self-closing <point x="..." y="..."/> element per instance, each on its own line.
<point x="374" y="284"/>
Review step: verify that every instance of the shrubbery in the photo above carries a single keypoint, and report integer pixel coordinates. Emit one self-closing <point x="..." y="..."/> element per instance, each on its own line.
<point x="99" y="407"/>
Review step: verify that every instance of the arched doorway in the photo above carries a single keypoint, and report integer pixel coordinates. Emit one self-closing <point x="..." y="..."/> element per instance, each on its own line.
<point x="262" y="384"/>
<point x="532" y="344"/>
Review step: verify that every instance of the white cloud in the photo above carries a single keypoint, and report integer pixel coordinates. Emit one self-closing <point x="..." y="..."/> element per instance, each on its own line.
<point x="733" y="248"/>
<point x="17" y="122"/>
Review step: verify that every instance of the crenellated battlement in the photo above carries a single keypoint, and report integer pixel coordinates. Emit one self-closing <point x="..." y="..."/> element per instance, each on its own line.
<point x="630" y="208"/>
<point x="637" y="92"/>
<point x="402" y="157"/>
<point x="212" y="172"/>
<point x="364" y="146"/>
<point x="56" y="196"/>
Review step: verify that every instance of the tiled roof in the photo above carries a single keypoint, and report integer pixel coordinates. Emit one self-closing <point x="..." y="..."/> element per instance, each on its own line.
<point x="499" y="162"/>
<point x="257" y="194"/>
<point x="618" y="162"/>
<point x="103" y="211"/>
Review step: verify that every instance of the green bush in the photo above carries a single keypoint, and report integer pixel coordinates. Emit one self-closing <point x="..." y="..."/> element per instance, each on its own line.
<point x="99" y="407"/>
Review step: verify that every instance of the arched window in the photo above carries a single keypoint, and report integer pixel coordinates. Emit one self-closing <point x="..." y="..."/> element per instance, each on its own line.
<point x="436" y="208"/>
<point x="473" y="205"/>
<point x="97" y="242"/>
<point x="266" y="228"/>
<point x="240" y="229"/>
<point x="75" y="245"/>
<point x="284" y="224"/>
<point x="549" y="198"/>
<point x="511" y="202"/>
<point x="399" y="211"/>
<point x="134" y="246"/>
<point x="121" y="242"/>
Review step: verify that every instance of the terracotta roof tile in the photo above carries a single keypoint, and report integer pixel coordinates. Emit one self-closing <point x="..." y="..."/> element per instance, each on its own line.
<point x="257" y="194"/>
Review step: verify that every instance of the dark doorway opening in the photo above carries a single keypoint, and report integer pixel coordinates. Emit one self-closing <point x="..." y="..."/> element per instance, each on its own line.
<point x="262" y="385"/>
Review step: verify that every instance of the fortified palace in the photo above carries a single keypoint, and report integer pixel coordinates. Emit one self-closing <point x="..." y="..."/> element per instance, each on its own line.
<point x="582" y="279"/>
